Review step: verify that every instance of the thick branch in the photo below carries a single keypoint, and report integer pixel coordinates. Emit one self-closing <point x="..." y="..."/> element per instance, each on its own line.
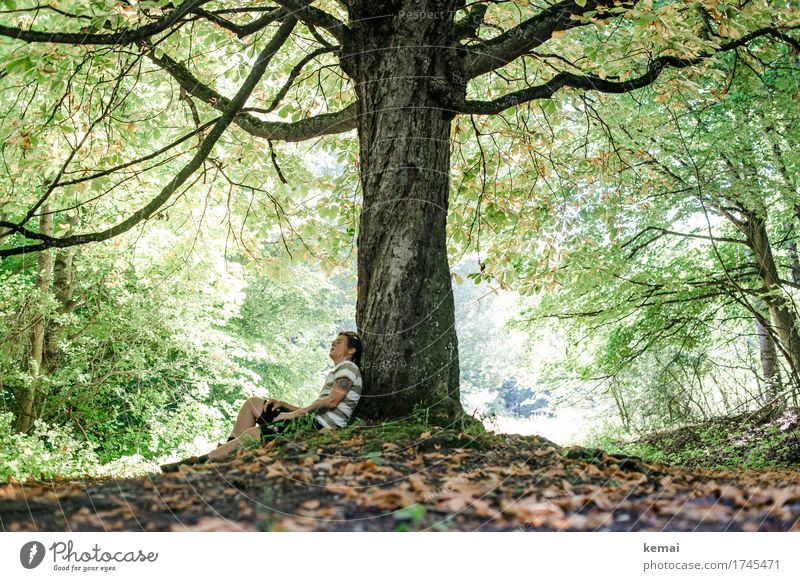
<point x="125" y="37"/>
<point x="242" y="30"/>
<point x="593" y="82"/>
<point x="501" y="50"/>
<point x="311" y="16"/>
<point x="203" y="151"/>
<point x="660" y="232"/>
<point x="468" y="26"/>
<point x="323" y="124"/>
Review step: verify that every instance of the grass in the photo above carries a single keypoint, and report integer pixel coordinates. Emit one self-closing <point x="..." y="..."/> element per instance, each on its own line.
<point x="725" y="443"/>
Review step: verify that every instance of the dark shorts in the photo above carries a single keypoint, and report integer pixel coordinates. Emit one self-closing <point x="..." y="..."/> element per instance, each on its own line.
<point x="270" y="427"/>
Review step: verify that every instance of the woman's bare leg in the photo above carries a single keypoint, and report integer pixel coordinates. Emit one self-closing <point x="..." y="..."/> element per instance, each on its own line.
<point x="245" y="428"/>
<point x="250" y="411"/>
<point x="250" y="434"/>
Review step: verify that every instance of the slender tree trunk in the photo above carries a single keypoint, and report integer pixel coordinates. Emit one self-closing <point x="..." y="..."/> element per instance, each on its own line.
<point x="623" y="413"/>
<point x="769" y="362"/>
<point x="784" y="321"/>
<point x="63" y="290"/>
<point x="405" y="309"/>
<point x="794" y="257"/>
<point x="33" y="363"/>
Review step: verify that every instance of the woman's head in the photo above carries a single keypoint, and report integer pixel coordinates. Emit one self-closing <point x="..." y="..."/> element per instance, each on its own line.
<point x="346" y="345"/>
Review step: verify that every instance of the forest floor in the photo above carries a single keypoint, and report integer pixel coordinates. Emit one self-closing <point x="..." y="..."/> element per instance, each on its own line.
<point x="747" y="440"/>
<point x="414" y="477"/>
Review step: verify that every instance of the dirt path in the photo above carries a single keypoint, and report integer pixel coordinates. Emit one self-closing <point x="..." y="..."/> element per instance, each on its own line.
<point x="415" y="478"/>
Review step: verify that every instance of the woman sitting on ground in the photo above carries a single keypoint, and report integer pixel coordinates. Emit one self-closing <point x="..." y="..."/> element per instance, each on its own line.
<point x="265" y="419"/>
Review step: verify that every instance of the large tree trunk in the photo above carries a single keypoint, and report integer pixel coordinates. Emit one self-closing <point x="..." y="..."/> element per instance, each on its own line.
<point x="405" y="310"/>
<point x="791" y="189"/>
<point x="33" y="362"/>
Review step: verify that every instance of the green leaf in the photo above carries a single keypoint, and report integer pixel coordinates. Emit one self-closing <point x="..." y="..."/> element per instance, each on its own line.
<point x="20" y="65"/>
<point x="415" y="512"/>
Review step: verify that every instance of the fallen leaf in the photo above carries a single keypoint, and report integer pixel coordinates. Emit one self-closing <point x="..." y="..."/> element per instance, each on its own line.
<point x="389" y="498"/>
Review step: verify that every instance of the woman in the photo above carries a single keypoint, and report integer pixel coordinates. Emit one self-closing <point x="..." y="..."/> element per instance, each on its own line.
<point x="264" y="419"/>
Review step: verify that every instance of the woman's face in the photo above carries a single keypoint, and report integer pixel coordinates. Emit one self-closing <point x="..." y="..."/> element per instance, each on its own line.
<point x="339" y="350"/>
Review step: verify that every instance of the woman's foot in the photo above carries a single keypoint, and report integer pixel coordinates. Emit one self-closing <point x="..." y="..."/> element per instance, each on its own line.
<point x="175" y="466"/>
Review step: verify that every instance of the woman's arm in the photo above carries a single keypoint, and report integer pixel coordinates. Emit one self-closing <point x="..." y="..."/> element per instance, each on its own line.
<point x="282" y="404"/>
<point x="338" y="392"/>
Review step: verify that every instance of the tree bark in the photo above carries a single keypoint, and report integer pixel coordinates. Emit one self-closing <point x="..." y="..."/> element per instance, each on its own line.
<point x="784" y="321"/>
<point x="33" y="362"/>
<point x="792" y="192"/>
<point x="63" y="291"/>
<point x="405" y="310"/>
<point x="769" y="362"/>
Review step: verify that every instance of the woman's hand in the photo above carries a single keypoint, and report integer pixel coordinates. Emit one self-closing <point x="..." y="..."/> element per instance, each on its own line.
<point x="287" y="415"/>
<point x="276" y="403"/>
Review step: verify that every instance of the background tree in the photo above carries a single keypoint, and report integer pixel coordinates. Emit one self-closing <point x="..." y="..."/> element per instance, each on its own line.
<point x="677" y="265"/>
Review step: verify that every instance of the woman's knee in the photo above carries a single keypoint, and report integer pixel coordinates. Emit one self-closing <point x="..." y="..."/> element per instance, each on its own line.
<point x="255" y="405"/>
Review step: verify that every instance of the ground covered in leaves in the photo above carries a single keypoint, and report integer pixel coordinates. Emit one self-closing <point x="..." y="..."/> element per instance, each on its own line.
<point x="414" y="477"/>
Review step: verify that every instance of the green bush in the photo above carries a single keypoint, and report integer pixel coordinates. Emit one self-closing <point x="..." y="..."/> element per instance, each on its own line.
<point x="47" y="452"/>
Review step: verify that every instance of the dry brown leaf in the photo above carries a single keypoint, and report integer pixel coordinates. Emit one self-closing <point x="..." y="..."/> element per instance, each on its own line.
<point x="518" y="469"/>
<point x="354" y="441"/>
<point x="417" y="483"/>
<point x="549" y="451"/>
<point x="787" y="495"/>
<point x="532" y="510"/>
<point x="418" y="459"/>
<point x="388" y="498"/>
<point x="592" y="470"/>
<point x="292" y="525"/>
<point x="301" y="476"/>
<point x="275" y="469"/>
<point x="706" y="512"/>
<point x="326" y="512"/>
<point x="215" y="524"/>
<point x="458" y="494"/>
<point x="61" y="494"/>
<point x="434" y="455"/>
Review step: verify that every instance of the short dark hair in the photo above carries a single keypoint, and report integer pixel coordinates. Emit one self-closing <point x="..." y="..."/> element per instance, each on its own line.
<point x="353" y="341"/>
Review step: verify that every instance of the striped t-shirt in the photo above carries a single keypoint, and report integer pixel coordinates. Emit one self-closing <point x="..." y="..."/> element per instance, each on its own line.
<point x="338" y="416"/>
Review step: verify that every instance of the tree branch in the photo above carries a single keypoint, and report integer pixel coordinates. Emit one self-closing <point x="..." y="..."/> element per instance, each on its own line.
<point x="592" y="82"/>
<point x="665" y="232"/>
<point x="124" y="37"/>
<point x="242" y="30"/>
<point x="309" y="15"/>
<point x="501" y="50"/>
<point x="203" y="151"/>
<point x="468" y="26"/>
<point x="323" y="124"/>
